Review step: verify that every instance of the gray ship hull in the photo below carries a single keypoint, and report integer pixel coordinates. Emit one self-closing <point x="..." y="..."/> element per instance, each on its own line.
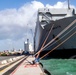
<point x="43" y="28"/>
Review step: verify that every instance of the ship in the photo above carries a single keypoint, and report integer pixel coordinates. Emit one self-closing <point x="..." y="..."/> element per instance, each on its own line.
<point x="55" y="25"/>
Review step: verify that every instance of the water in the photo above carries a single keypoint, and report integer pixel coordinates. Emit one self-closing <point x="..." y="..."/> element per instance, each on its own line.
<point x="60" y="66"/>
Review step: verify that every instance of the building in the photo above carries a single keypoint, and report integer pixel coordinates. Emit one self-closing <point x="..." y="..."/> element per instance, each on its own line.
<point x="26" y="46"/>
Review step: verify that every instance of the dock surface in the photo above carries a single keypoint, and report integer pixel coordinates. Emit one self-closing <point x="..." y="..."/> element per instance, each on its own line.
<point x="25" y="68"/>
<point x="6" y="57"/>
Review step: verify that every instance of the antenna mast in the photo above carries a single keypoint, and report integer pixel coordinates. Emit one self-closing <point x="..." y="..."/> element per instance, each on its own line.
<point x="68" y="5"/>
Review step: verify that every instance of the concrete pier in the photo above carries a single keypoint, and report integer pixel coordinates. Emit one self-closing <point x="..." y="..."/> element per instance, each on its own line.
<point x="25" y="68"/>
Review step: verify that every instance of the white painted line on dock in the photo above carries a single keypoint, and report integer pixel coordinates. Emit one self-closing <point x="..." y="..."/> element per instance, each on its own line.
<point x="16" y="69"/>
<point x="9" y="67"/>
<point x="8" y="61"/>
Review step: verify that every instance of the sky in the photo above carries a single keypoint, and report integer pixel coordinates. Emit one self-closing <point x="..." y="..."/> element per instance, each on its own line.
<point x="18" y="20"/>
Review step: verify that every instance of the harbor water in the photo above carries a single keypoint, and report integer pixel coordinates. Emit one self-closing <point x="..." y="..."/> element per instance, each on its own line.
<point x="60" y="66"/>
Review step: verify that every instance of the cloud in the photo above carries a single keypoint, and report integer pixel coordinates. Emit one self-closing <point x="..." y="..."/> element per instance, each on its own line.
<point x="16" y="24"/>
<point x="60" y="5"/>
